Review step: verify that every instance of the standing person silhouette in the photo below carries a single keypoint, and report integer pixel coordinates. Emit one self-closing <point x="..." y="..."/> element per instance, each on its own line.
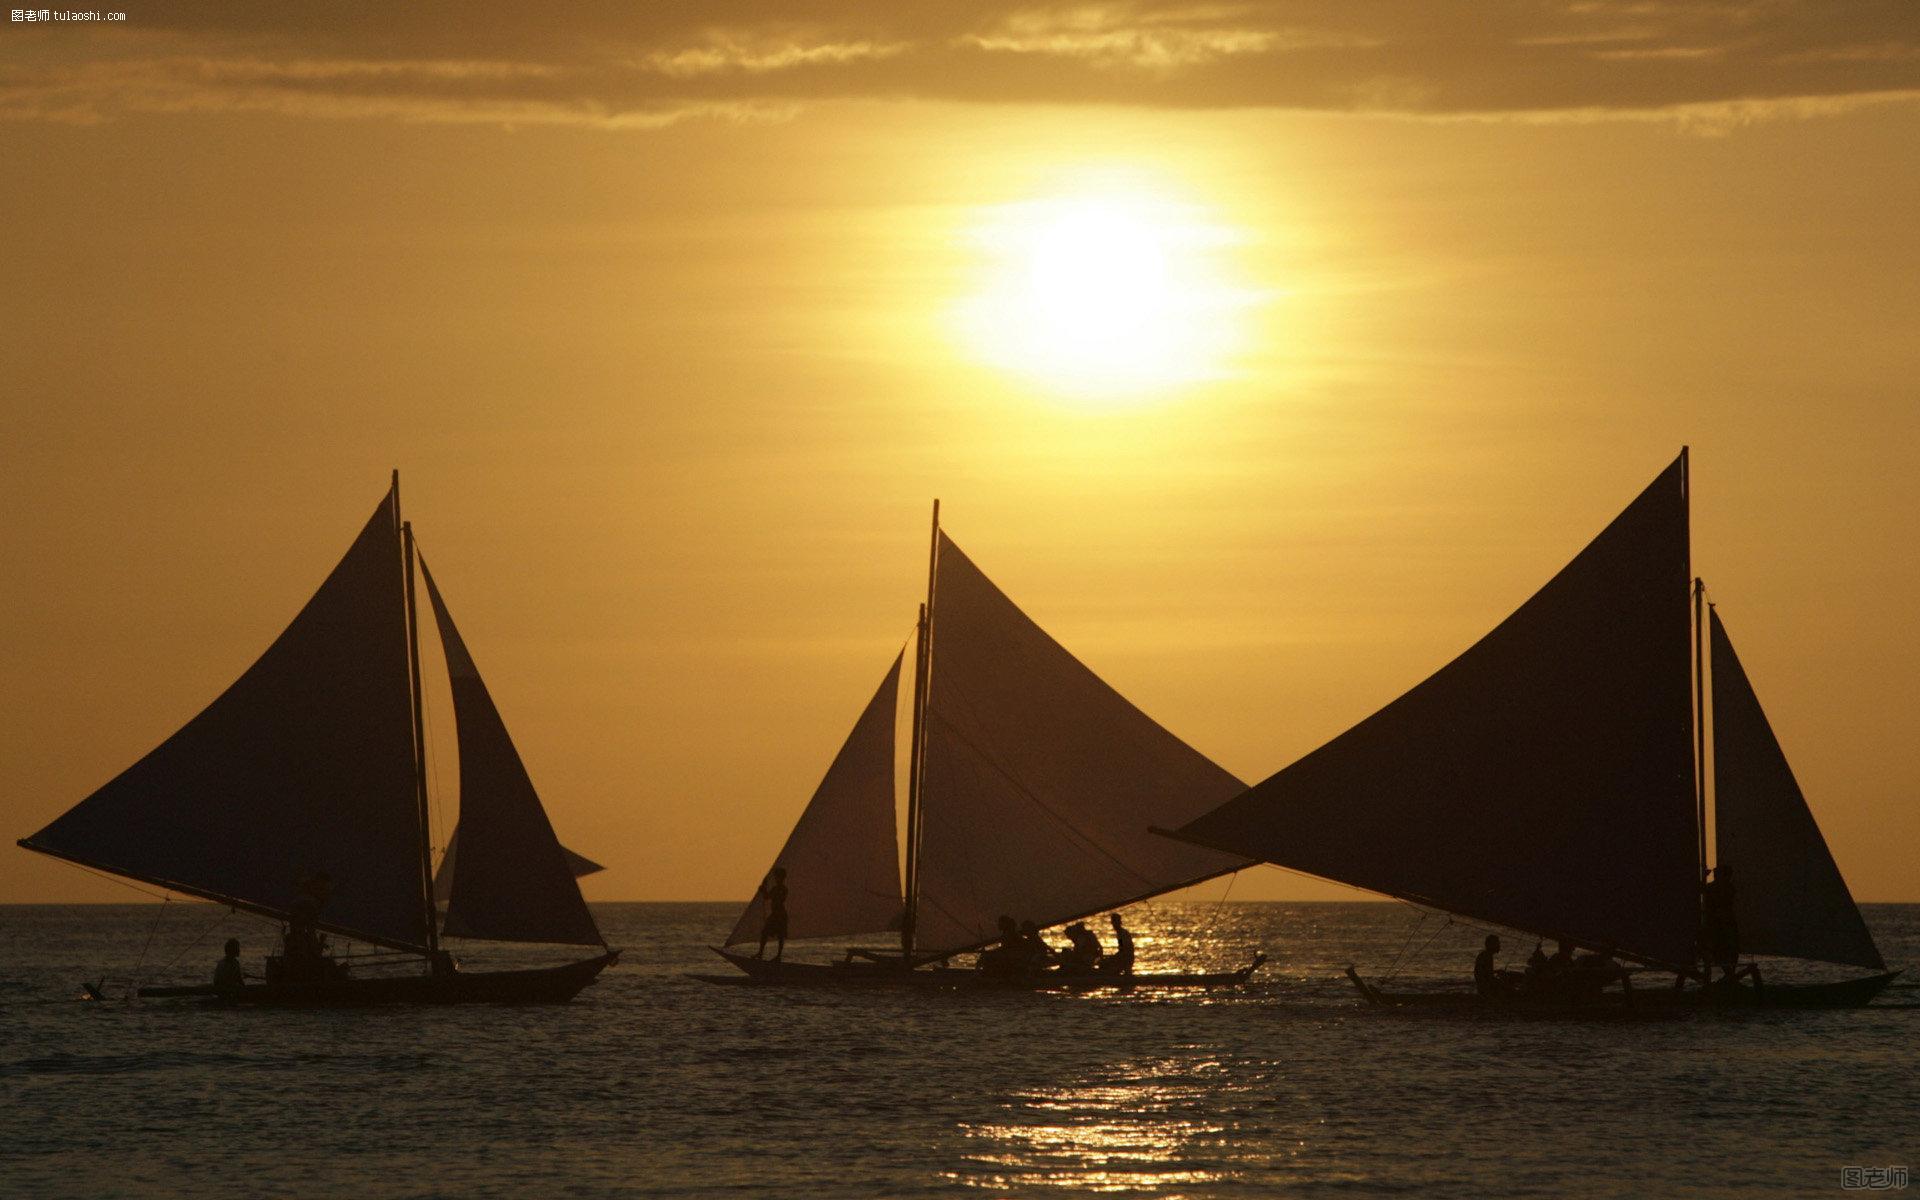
<point x="774" y="891"/>
<point x="1120" y="962"/>
<point x="1722" y="929"/>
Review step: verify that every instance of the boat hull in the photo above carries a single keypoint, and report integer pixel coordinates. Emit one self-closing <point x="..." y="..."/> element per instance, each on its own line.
<point x="539" y="985"/>
<point x="860" y="974"/>
<point x="1848" y="993"/>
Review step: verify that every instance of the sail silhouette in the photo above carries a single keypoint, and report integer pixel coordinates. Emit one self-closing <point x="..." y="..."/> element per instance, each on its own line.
<point x="1041" y="779"/>
<point x="843" y="854"/>
<point x="449" y="864"/>
<point x="1545" y="780"/>
<point x="1542" y="780"/>
<point x="1788" y="896"/>
<point x="304" y="765"/>
<point x="1036" y="784"/>
<point x="515" y="883"/>
<point x="308" y="769"/>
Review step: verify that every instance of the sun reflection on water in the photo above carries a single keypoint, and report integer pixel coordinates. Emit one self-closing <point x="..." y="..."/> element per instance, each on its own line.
<point x="1141" y="1128"/>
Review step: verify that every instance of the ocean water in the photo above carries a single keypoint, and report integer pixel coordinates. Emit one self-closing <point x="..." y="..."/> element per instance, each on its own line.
<point x="653" y="1084"/>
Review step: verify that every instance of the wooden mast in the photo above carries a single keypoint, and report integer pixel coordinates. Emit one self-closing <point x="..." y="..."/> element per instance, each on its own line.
<point x="923" y="662"/>
<point x="1699" y="716"/>
<point x="419" y="748"/>
<point x="1700" y="747"/>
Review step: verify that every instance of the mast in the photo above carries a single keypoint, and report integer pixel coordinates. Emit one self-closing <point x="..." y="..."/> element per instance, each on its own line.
<point x="1700" y="757"/>
<point x="419" y="748"/>
<point x="1699" y="713"/>
<point x="923" y="661"/>
<point x="1700" y="716"/>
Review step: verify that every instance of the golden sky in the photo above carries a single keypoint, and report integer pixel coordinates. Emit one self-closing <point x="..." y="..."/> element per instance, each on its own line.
<point x="675" y="319"/>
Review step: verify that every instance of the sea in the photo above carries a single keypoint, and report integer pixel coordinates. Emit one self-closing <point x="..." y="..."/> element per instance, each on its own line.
<point x="655" y="1084"/>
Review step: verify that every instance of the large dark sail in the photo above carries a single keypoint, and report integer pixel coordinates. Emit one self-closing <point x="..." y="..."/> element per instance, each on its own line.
<point x="514" y="883"/>
<point x="1788" y="896"/>
<point x="1040" y="780"/>
<point x="303" y="766"/>
<point x="1542" y="780"/>
<point x="843" y="858"/>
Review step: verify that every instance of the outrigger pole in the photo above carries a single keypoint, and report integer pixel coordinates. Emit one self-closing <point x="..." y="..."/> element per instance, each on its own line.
<point x="916" y="766"/>
<point x="419" y="747"/>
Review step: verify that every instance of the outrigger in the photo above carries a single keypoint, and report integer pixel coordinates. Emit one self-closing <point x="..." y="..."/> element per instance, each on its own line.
<point x="860" y="968"/>
<point x="1658" y="997"/>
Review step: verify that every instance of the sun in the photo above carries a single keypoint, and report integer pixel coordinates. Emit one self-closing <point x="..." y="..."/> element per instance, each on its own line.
<point x="1107" y="294"/>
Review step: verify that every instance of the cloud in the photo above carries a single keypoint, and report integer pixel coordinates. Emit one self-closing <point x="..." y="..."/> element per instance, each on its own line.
<point x="615" y="64"/>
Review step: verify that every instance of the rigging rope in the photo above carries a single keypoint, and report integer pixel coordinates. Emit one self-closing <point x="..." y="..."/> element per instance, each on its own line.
<point x="219" y="922"/>
<point x="1438" y="930"/>
<point x="158" y="914"/>
<point x="1418" y="924"/>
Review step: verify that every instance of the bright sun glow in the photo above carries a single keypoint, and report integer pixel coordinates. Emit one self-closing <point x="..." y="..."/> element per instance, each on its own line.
<point x="1105" y="295"/>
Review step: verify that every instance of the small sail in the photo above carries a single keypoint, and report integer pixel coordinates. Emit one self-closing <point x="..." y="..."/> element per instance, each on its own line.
<point x="304" y="765"/>
<point x="842" y="859"/>
<point x="1543" y="780"/>
<point x="1040" y="781"/>
<point x="580" y="864"/>
<point x="1788" y="896"/>
<point x="514" y="883"/>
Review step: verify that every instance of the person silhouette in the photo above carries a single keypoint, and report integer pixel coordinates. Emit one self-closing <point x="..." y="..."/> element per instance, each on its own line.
<point x="1488" y="980"/>
<point x="303" y="952"/>
<point x="1004" y="957"/>
<point x="1083" y="952"/>
<point x="1038" y="955"/>
<point x="774" y="891"/>
<point x="1722" y="929"/>
<point x="1120" y="962"/>
<point x="228" y="977"/>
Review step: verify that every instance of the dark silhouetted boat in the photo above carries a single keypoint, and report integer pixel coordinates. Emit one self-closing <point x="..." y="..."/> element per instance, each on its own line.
<point x="1553" y="779"/>
<point x="1031" y="784"/>
<point x="312" y="766"/>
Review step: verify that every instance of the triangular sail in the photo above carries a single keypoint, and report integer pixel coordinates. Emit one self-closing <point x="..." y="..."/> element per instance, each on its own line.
<point x="842" y="858"/>
<point x="1040" y="780"/>
<point x="1788" y="896"/>
<point x="1543" y="780"/>
<point x="303" y="766"/>
<point x="579" y="864"/>
<point x="514" y="883"/>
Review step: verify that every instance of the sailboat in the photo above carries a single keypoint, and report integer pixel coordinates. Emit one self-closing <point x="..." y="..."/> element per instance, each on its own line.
<point x="1553" y="779"/>
<point x="300" y="795"/>
<point x="1031" y="784"/>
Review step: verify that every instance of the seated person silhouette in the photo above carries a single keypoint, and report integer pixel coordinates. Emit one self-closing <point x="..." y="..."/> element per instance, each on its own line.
<point x="1007" y="957"/>
<point x="1037" y="954"/>
<point x="1488" y="979"/>
<point x="303" y="953"/>
<point x="228" y="977"/>
<point x="1083" y="954"/>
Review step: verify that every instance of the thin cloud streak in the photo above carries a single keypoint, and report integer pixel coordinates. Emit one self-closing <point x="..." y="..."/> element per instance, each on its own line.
<point x="614" y="65"/>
